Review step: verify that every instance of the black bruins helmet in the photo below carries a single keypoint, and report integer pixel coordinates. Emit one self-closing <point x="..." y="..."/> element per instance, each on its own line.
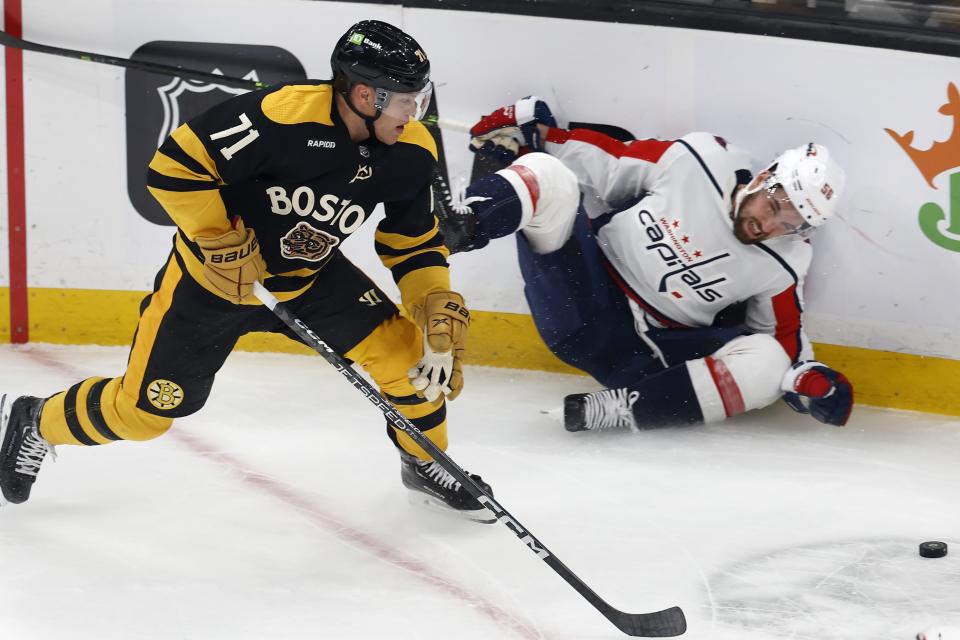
<point x="380" y="55"/>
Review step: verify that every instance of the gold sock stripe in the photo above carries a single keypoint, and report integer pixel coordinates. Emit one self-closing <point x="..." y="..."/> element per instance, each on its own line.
<point x="414" y="408"/>
<point x="94" y="414"/>
<point x="53" y="426"/>
<point x="70" y="415"/>
<point x="437" y="435"/>
<point x="427" y="421"/>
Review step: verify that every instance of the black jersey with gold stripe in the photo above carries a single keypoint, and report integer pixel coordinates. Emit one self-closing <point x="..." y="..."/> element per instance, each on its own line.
<point x="283" y="161"/>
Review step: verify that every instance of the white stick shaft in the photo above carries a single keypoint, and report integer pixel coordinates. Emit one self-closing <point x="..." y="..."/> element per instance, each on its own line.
<point x="264" y="296"/>
<point x="448" y="125"/>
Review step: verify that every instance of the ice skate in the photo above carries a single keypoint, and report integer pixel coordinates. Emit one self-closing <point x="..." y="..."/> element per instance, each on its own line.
<point x="607" y="409"/>
<point x="432" y="486"/>
<point x="23" y="448"/>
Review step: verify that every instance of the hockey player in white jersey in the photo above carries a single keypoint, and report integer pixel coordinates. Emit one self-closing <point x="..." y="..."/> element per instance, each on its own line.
<point x="663" y="268"/>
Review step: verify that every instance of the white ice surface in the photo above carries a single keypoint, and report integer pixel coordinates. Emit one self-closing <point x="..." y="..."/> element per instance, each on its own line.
<point x="277" y="512"/>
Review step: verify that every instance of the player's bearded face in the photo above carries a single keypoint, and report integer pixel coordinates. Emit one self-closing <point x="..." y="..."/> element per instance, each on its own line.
<point x="766" y="213"/>
<point x="748" y="223"/>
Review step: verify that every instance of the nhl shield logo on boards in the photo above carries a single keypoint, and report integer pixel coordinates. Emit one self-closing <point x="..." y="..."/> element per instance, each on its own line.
<point x="171" y="93"/>
<point x="157" y="104"/>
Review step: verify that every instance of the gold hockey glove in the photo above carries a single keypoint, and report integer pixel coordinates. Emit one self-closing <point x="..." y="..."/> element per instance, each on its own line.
<point x="232" y="262"/>
<point x="444" y="321"/>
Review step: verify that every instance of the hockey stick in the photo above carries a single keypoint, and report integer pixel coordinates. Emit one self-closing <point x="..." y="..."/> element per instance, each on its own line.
<point x="667" y="623"/>
<point x="660" y="624"/>
<point x="439" y="179"/>
<point x="8" y="40"/>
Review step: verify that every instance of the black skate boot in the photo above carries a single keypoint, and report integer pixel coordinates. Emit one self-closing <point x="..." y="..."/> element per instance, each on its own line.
<point x="431" y="485"/>
<point x="23" y="448"/>
<point x="607" y="409"/>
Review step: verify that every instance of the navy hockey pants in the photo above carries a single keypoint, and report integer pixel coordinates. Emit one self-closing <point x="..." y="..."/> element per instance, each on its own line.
<point x="584" y="318"/>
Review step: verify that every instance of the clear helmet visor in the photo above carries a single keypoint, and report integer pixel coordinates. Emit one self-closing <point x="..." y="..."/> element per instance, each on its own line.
<point x="783" y="211"/>
<point x="777" y="208"/>
<point x="405" y="106"/>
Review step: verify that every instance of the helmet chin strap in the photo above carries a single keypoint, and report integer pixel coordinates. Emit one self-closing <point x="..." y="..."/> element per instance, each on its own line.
<point x="368" y="120"/>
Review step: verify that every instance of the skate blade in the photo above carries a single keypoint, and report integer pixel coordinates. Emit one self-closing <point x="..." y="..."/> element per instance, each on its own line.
<point x="4" y="421"/>
<point x="555" y="414"/>
<point x="4" y="416"/>
<point x="430" y="503"/>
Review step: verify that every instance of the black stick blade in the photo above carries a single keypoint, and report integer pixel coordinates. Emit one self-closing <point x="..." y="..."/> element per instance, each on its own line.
<point x="660" y="624"/>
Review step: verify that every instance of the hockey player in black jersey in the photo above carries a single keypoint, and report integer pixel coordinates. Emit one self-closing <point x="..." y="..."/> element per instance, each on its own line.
<point x="665" y="269"/>
<point x="265" y="187"/>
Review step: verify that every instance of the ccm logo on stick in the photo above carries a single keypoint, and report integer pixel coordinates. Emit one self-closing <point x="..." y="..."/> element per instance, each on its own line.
<point x="514" y="526"/>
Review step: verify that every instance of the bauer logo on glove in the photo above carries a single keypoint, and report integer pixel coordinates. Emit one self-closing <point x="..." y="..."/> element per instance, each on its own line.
<point x="232" y="262"/>
<point x="240" y="254"/>
<point x="456" y="308"/>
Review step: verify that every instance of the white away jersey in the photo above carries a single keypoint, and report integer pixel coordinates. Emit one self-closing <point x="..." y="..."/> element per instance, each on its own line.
<point x="660" y="211"/>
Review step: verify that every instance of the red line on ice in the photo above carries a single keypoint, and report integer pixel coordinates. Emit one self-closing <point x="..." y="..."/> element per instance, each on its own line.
<point x="328" y="521"/>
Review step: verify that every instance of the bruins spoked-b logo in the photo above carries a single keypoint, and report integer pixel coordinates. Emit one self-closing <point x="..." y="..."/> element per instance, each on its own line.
<point x="164" y="395"/>
<point x="157" y="104"/>
<point x="307" y="243"/>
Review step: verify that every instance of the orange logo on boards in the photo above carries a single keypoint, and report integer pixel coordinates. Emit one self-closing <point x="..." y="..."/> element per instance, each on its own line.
<point x="942" y="156"/>
<point x="939" y="226"/>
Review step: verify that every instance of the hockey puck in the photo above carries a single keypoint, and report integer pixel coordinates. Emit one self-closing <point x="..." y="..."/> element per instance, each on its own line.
<point x="933" y="549"/>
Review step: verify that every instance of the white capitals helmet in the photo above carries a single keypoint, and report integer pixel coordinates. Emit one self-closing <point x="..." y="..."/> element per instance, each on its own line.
<point x="812" y="179"/>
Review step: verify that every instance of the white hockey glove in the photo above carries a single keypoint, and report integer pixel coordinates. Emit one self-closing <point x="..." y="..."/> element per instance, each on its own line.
<point x="512" y="131"/>
<point x="444" y="322"/>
